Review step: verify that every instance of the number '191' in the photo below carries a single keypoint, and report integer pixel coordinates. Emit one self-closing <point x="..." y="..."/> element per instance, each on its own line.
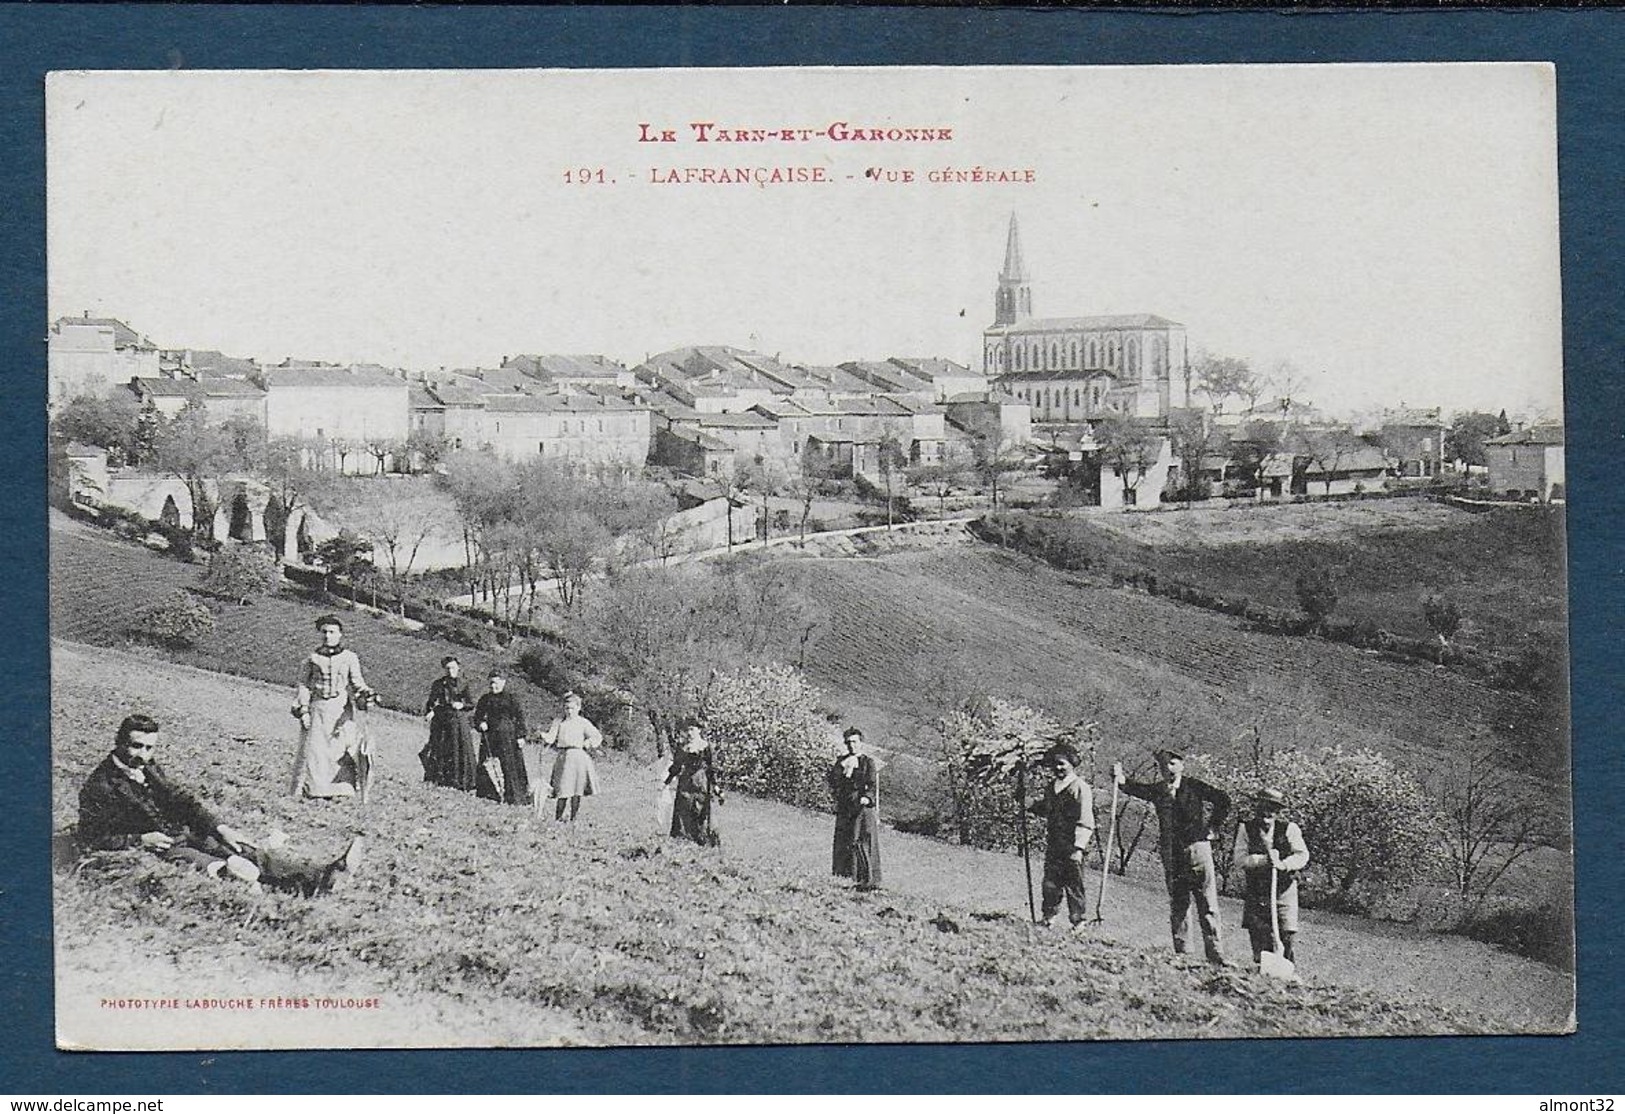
<point x="586" y="176"/>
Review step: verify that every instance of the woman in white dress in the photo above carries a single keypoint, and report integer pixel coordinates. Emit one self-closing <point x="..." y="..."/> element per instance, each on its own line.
<point x="572" y="735"/>
<point x="330" y="689"/>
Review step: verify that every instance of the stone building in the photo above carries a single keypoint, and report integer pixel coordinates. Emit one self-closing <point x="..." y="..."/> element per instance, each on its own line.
<point x="92" y="355"/>
<point x="1142" y="355"/>
<point x="1527" y="464"/>
<point x="347" y="410"/>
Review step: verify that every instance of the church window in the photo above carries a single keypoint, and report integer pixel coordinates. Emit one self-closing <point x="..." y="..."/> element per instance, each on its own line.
<point x="1132" y="353"/>
<point x="1077" y="397"/>
<point x="1093" y="355"/>
<point x="1054" y="355"/>
<point x="1072" y="354"/>
<point x="1018" y="357"/>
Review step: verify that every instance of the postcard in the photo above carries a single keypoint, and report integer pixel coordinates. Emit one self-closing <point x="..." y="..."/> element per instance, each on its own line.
<point x="807" y="555"/>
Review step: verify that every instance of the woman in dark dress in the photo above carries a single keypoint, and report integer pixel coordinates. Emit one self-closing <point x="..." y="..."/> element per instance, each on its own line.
<point x="694" y="776"/>
<point x="856" y="789"/>
<point x="501" y="723"/>
<point x="450" y="758"/>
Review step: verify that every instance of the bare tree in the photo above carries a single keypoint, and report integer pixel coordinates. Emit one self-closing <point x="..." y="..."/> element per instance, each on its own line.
<point x="995" y="454"/>
<point x="1131" y="449"/>
<point x="197" y="452"/>
<point x="1328" y="450"/>
<point x="1287" y="384"/>
<point x="397" y="527"/>
<point x="941" y="477"/>
<point x="1223" y="377"/>
<point x="815" y="478"/>
<point x="1492" y="819"/>
<point x="891" y="458"/>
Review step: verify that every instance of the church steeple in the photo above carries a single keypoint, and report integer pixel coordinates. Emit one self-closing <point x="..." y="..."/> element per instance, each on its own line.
<point x="1014" y="300"/>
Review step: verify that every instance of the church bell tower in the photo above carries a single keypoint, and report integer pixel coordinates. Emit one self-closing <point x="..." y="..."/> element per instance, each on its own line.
<point x="1014" y="300"/>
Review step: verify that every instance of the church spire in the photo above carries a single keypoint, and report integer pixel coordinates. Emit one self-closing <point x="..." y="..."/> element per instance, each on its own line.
<point x="1014" y="300"/>
<point x="1015" y="269"/>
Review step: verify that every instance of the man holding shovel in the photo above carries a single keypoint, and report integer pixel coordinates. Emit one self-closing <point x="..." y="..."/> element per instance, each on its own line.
<point x="1272" y="851"/>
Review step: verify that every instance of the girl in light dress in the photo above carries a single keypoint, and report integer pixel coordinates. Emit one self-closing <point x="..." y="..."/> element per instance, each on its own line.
<point x="572" y="735"/>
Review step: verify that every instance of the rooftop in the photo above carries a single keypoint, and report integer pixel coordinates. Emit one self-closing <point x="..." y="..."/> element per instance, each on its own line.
<point x="1073" y="324"/>
<point x="286" y="376"/>
<point x="1534" y="435"/>
<point x="123" y="335"/>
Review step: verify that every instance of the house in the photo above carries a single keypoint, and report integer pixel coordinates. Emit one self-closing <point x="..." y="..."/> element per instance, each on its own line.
<point x="93" y="355"/>
<point x="981" y="412"/>
<point x="581" y="428"/>
<point x="1355" y="467"/>
<point x="348" y="411"/>
<point x="582" y="372"/>
<point x="1527" y="464"/>
<point x="947" y="378"/>
<point x="205" y="363"/>
<point x="167" y="396"/>
<point x="693" y="452"/>
<point x="1415" y="441"/>
<point x="752" y="435"/>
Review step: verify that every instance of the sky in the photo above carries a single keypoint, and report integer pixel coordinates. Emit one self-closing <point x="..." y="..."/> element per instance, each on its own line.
<point x="1390" y="231"/>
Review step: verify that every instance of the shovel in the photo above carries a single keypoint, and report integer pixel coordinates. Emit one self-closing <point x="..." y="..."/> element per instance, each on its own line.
<point x="1273" y="963"/>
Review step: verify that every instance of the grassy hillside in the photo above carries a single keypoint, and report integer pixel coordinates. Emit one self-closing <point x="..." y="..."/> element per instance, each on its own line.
<point x="907" y="633"/>
<point x="98" y="584"/>
<point x="475" y="925"/>
<point x="1504" y="567"/>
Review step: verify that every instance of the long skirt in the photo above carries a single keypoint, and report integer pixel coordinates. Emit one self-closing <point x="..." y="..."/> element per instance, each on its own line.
<point x="503" y="745"/>
<point x="451" y="757"/>
<point x="325" y="766"/>
<point x="691" y="817"/>
<point x="856" y="853"/>
<point x="574" y="775"/>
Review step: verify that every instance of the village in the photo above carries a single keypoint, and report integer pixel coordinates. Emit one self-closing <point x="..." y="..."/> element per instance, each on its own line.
<point x="1110" y="412"/>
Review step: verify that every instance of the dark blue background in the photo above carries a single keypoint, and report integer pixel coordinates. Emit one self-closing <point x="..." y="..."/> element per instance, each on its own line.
<point x="1588" y="50"/>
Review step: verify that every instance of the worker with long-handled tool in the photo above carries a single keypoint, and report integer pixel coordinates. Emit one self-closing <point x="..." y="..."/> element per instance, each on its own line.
<point x="1272" y="851"/>
<point x="1106" y="858"/>
<point x="1189" y="811"/>
<point x="1068" y="809"/>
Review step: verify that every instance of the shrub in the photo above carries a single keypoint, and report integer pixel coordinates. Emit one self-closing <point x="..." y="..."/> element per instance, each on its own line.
<point x="768" y="734"/>
<point x="241" y="572"/>
<point x="560" y="667"/>
<point x="1317" y="594"/>
<point x="1442" y="614"/>
<point x="177" y="621"/>
<point x="984" y="748"/>
<point x="473" y="633"/>
<point x="1371" y="828"/>
<point x="1543" y="931"/>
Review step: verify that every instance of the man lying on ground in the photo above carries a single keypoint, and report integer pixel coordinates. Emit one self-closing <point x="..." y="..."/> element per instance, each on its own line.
<point x="129" y="802"/>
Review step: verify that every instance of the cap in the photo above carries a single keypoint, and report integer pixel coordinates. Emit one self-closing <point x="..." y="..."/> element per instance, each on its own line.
<point x="1273" y="797"/>
<point x="1167" y="752"/>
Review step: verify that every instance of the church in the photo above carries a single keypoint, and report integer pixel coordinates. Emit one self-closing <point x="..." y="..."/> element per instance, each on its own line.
<point x="1077" y="368"/>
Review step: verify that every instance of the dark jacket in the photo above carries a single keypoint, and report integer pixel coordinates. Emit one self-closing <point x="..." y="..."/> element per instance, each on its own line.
<point x="1183" y="816"/>
<point x="1069" y="817"/>
<point x="115" y="812"/>
<point x="444" y="691"/>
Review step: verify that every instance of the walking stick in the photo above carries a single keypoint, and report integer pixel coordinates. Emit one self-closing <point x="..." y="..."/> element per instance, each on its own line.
<point x="1106" y="858"/>
<point x="1026" y="844"/>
